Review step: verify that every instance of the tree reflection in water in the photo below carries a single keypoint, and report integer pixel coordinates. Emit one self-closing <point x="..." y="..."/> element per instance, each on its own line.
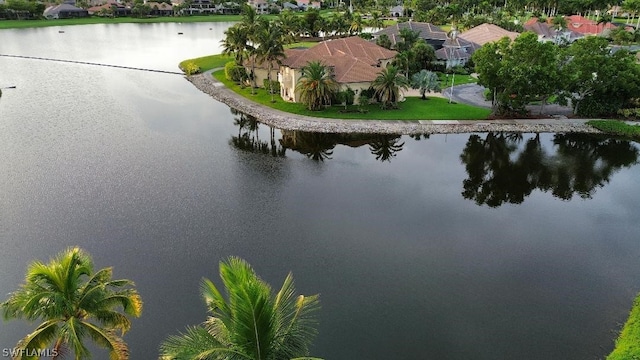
<point x="500" y="170"/>
<point x="319" y="146"/>
<point x="248" y="138"/>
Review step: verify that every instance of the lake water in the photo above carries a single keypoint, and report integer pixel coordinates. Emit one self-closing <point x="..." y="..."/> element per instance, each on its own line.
<point x="470" y="246"/>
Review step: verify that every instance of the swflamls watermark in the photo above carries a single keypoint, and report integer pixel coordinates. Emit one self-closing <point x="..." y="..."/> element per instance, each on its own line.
<point x="20" y="353"/>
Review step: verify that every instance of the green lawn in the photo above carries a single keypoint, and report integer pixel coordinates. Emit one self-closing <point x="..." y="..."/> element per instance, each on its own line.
<point x="615" y="127"/>
<point x="445" y="82"/>
<point x="218" y="61"/>
<point x="628" y="343"/>
<point x="411" y="109"/>
<point x="208" y="62"/>
<point x="13" y="24"/>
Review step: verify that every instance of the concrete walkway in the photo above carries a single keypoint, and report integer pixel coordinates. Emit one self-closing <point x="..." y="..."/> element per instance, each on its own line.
<point x="282" y="120"/>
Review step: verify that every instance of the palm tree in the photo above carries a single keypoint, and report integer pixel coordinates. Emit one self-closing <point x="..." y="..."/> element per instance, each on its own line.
<point x="250" y="323"/>
<point x="425" y="81"/>
<point x="290" y="24"/>
<point x="270" y="48"/>
<point x="356" y="24"/>
<point x="73" y="302"/>
<point x="316" y="85"/>
<point x="249" y="24"/>
<point x="235" y="43"/>
<point x="387" y="86"/>
<point x="376" y="21"/>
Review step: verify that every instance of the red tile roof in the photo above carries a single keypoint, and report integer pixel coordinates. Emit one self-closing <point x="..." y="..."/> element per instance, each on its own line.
<point x="585" y="26"/>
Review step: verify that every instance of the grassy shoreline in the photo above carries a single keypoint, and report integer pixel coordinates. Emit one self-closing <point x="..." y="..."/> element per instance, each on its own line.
<point x="412" y="109"/>
<point x="617" y="128"/>
<point x="628" y="343"/>
<point x="20" y="24"/>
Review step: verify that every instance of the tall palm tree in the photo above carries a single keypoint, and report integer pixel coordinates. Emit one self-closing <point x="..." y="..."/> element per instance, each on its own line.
<point x="249" y="23"/>
<point x="73" y="302"/>
<point x="270" y="48"/>
<point x="235" y="43"/>
<point x="316" y="85"/>
<point x="250" y="323"/>
<point x="425" y="81"/>
<point x="387" y="86"/>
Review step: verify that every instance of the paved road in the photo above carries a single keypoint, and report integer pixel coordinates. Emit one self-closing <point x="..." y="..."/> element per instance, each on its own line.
<point x="473" y="94"/>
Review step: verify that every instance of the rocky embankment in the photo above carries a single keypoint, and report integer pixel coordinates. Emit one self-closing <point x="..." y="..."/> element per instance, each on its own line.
<point x="287" y="121"/>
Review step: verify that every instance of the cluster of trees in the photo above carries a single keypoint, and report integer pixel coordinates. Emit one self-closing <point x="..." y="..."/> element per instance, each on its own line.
<point x="258" y="40"/>
<point x="596" y="81"/>
<point x="76" y="303"/>
<point x="414" y="53"/>
<point x="21" y="9"/>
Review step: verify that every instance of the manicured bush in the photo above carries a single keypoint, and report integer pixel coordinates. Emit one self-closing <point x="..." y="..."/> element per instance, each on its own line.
<point x="190" y="68"/>
<point x="234" y="72"/>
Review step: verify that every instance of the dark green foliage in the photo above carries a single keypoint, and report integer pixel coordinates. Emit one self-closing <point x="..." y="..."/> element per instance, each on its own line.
<point x="275" y="85"/>
<point x="250" y="321"/>
<point x="234" y="72"/>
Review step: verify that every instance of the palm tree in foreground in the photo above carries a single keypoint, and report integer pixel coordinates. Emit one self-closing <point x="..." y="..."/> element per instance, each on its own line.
<point x="250" y="323"/>
<point x="74" y="303"/>
<point x="316" y="85"/>
<point x="387" y="86"/>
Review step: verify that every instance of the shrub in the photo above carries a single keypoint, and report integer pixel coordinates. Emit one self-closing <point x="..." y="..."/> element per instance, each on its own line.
<point x="630" y="113"/>
<point x="191" y="68"/>
<point x="275" y="85"/>
<point x="234" y="72"/>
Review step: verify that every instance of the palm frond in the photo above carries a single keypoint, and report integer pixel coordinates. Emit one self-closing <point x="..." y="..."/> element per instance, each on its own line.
<point x="196" y="343"/>
<point x="107" y="339"/>
<point x="40" y="338"/>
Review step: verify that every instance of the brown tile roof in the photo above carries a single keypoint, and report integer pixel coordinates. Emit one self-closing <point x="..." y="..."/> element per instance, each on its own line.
<point x="485" y="33"/>
<point x="353" y="59"/>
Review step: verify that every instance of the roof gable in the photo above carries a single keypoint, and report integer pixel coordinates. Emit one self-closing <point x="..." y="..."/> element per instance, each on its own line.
<point x="485" y="33"/>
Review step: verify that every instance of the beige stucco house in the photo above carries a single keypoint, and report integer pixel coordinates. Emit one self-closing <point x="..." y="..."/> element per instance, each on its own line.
<point x="355" y="63"/>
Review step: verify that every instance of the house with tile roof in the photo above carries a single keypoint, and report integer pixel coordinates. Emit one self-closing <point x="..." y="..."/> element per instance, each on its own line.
<point x="309" y="4"/>
<point x="261" y="6"/>
<point x="110" y="9"/>
<point x="586" y="26"/>
<point x="432" y="34"/>
<point x="486" y="33"/>
<point x="354" y="62"/>
<point x="456" y="51"/>
<point x="64" y="11"/>
<point x="546" y="31"/>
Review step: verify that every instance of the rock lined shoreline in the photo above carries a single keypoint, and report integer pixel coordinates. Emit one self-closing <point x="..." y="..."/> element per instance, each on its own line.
<point x="286" y="121"/>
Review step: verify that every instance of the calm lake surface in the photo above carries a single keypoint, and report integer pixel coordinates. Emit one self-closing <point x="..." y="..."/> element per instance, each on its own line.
<point x="471" y="246"/>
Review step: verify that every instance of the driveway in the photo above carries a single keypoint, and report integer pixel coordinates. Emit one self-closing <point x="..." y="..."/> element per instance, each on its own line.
<point x="473" y="94"/>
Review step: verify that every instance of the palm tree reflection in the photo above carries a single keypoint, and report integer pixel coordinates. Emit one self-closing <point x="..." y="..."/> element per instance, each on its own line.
<point x="248" y="138"/>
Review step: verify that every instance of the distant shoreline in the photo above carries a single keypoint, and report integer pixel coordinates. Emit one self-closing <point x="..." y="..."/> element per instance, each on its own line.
<point x="23" y="24"/>
<point x="286" y="121"/>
